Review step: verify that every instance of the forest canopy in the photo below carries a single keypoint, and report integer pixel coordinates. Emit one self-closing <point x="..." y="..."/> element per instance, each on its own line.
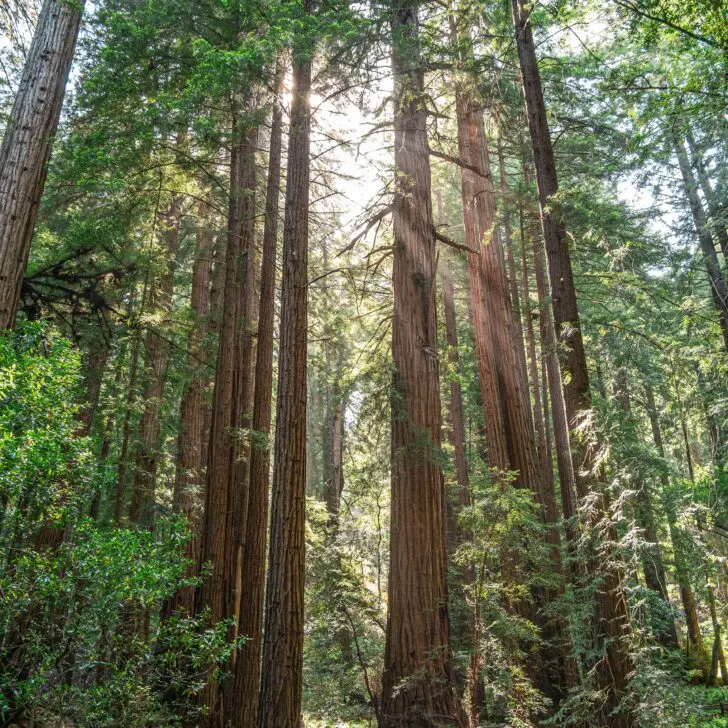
<point x="363" y="363"/>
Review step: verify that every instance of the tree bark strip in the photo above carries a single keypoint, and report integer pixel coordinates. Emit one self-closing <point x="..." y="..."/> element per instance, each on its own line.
<point x="417" y="684"/>
<point x="155" y="361"/>
<point x="247" y="665"/>
<point x="716" y="281"/>
<point x="612" y="618"/>
<point x="28" y="140"/>
<point x="190" y="476"/>
<point x="282" y="679"/>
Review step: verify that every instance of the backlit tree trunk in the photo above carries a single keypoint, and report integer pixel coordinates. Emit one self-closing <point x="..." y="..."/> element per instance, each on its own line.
<point x="653" y="565"/>
<point x="612" y="619"/>
<point x="216" y="590"/>
<point x="695" y="646"/>
<point x="282" y="678"/>
<point x="247" y="665"/>
<point x="244" y="381"/>
<point x="417" y="684"/>
<point x="156" y="355"/>
<point x="190" y="476"/>
<point x="501" y="361"/>
<point x="27" y="143"/>
<point x="714" y="207"/>
<point x="716" y="281"/>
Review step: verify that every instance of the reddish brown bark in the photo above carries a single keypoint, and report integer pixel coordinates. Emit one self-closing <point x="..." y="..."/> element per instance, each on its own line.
<point x="244" y="381"/>
<point x="457" y="418"/>
<point x="612" y="618"/>
<point x="215" y="591"/>
<point x="417" y="684"/>
<point x="28" y="140"/>
<point x="455" y="533"/>
<point x="282" y="679"/>
<point x="247" y="665"/>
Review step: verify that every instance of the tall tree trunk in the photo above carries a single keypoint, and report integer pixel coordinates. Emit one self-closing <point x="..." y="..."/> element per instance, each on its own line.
<point x="718" y="656"/>
<point x="95" y="368"/>
<point x="695" y="646"/>
<point x="247" y="665"/>
<point x="612" y="618"/>
<point x="190" y="477"/>
<point x="155" y="362"/>
<point x="244" y="381"/>
<point x="716" y="281"/>
<point x="334" y="471"/>
<point x="215" y="590"/>
<point x="126" y="425"/>
<point x="653" y="564"/>
<point x="455" y="535"/>
<point x="417" y="684"/>
<point x="457" y="418"/>
<point x="539" y="404"/>
<point x="504" y="387"/>
<point x="717" y="214"/>
<point x="28" y="140"/>
<point x="282" y="678"/>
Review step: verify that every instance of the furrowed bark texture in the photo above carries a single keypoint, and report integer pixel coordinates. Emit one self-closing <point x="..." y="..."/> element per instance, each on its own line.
<point x="215" y="589"/>
<point x="27" y="143"/>
<point x="501" y="361"/>
<point x="247" y="665"/>
<point x="417" y="684"/>
<point x="244" y="381"/>
<point x="455" y="532"/>
<point x="282" y="679"/>
<point x="612" y="619"/>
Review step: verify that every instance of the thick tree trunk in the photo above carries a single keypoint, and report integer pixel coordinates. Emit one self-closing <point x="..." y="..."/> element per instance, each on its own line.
<point x="501" y="361"/>
<point x="417" y="684"/>
<point x="612" y="618"/>
<point x="155" y="362"/>
<point x="215" y="591"/>
<point x="334" y="473"/>
<point x="190" y="477"/>
<point x="540" y="405"/>
<point x="244" y="381"/>
<point x="247" y="665"/>
<point x="716" y="281"/>
<point x="27" y="143"/>
<point x="282" y="678"/>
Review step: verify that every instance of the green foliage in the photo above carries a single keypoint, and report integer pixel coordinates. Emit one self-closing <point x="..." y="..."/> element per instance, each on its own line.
<point x="68" y="586"/>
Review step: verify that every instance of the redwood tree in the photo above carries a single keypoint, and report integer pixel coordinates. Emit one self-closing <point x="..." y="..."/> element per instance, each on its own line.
<point x="611" y="618"/>
<point x="27" y="143"/>
<point x="282" y="672"/>
<point x="250" y="624"/>
<point x="417" y="684"/>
